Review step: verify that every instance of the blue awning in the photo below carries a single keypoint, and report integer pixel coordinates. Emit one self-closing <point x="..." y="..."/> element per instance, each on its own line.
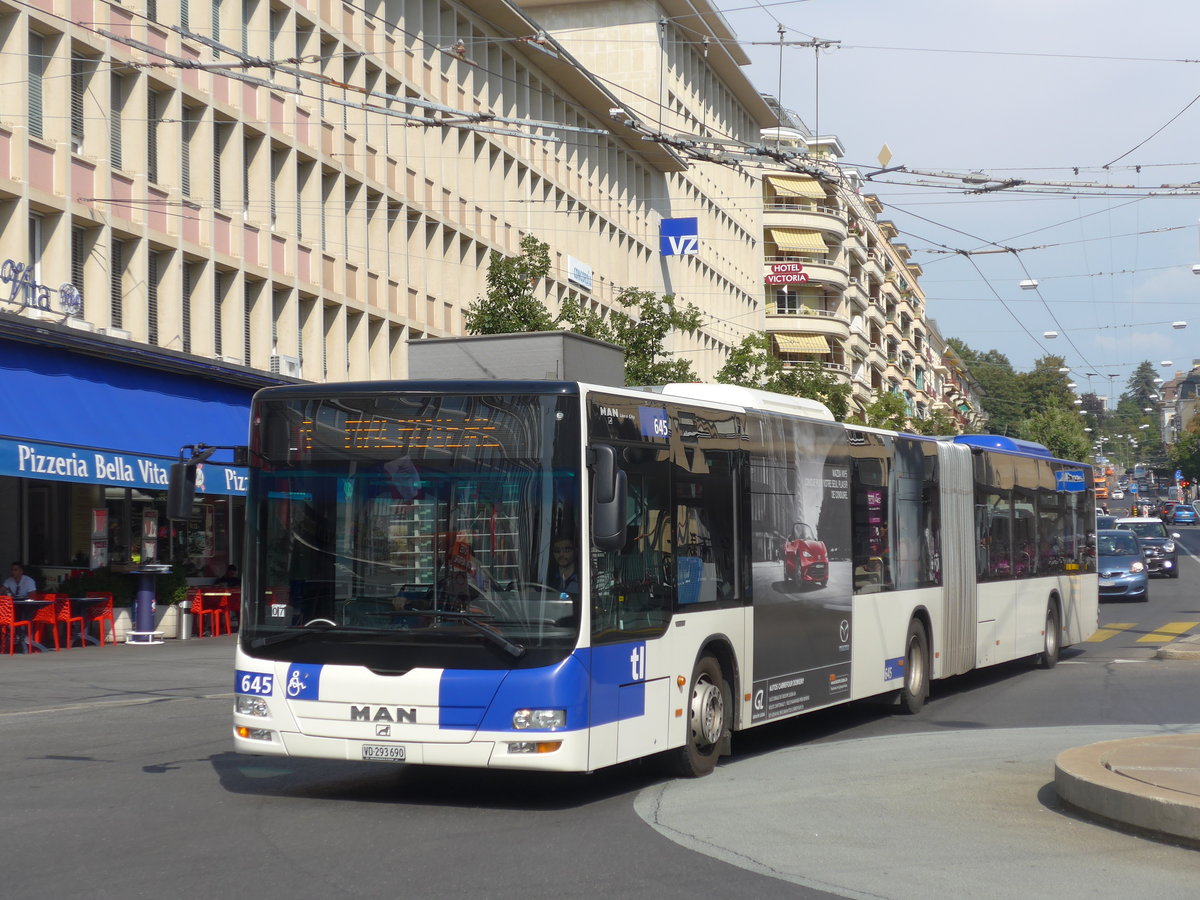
<point x="53" y="396"/>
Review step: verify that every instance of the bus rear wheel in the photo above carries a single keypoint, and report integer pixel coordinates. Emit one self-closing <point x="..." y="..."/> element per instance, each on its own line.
<point x="916" y="670"/>
<point x="1052" y="644"/>
<point x="708" y="720"/>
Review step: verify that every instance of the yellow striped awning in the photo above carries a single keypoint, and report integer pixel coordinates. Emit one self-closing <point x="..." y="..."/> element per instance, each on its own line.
<point x="801" y="343"/>
<point x="798" y="239"/>
<point x="796" y="186"/>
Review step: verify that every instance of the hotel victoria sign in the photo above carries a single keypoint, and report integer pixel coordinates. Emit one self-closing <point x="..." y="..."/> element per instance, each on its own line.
<point x="785" y="273"/>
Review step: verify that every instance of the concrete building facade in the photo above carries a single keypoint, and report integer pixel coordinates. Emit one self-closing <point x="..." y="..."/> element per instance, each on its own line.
<point x="311" y="216"/>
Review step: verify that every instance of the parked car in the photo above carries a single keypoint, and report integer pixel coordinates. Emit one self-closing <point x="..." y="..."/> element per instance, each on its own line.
<point x="1183" y="514"/>
<point x="805" y="558"/>
<point x="1121" y="565"/>
<point x="1158" y="545"/>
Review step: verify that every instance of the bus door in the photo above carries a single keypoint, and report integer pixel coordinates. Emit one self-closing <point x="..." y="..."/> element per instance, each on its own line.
<point x="959" y="558"/>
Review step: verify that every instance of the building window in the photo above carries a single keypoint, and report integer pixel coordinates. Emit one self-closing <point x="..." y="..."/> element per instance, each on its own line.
<point x="79" y="74"/>
<point x="37" y="70"/>
<point x="247" y="310"/>
<point x="185" y="151"/>
<point x="189" y="281"/>
<point x="117" y="97"/>
<point x="154" y="105"/>
<point x="35" y="246"/>
<point x="218" y="345"/>
<point x="216" y="26"/>
<point x="78" y="256"/>
<point x="152" y="276"/>
<point x="220" y="131"/>
<point x="115" y="283"/>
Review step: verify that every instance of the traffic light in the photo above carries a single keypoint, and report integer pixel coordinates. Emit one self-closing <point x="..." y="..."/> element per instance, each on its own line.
<point x="1185" y="483"/>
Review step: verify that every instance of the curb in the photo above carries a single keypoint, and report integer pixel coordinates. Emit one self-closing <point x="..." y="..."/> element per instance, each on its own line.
<point x="1186" y="648"/>
<point x="1084" y="780"/>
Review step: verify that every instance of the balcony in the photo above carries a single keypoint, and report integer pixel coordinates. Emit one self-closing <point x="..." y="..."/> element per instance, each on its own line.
<point x="827" y="220"/>
<point x="810" y="321"/>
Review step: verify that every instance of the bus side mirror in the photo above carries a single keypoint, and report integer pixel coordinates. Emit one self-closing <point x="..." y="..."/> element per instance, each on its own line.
<point x="609" y="493"/>
<point x="181" y="490"/>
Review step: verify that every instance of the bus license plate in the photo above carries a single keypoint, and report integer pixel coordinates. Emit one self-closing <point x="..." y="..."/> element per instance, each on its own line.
<point x="383" y="752"/>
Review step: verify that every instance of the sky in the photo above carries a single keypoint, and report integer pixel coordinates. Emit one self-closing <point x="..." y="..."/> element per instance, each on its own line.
<point x="1028" y="89"/>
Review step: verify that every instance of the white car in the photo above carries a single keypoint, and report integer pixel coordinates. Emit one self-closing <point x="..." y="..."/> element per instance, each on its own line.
<point x="1118" y="495"/>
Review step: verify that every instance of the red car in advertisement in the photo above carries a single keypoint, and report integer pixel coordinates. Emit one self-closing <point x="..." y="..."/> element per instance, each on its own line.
<point x="805" y="559"/>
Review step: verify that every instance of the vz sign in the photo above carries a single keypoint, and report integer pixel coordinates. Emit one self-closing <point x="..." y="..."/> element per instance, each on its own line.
<point x="680" y="237"/>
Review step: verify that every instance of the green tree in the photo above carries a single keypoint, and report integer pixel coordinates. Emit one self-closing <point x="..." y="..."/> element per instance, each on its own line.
<point x="1001" y="391"/>
<point x="1141" y="385"/>
<point x="887" y="410"/>
<point x="641" y="329"/>
<point x="1045" y="387"/>
<point x="937" y="423"/>
<point x="752" y="364"/>
<point x="1185" y="452"/>
<point x="510" y="306"/>
<point x="1058" y="429"/>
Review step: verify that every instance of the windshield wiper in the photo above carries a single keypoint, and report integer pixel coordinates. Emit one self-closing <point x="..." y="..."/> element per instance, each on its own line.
<point x="470" y="619"/>
<point x="297" y="633"/>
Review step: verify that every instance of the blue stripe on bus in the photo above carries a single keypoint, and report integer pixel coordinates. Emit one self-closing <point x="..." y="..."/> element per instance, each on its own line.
<point x="487" y="699"/>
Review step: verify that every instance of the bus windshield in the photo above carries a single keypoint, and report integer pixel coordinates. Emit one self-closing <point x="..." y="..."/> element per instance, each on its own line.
<point x="398" y="530"/>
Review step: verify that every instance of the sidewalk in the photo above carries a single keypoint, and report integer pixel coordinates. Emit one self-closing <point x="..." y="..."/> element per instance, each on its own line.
<point x="1149" y="784"/>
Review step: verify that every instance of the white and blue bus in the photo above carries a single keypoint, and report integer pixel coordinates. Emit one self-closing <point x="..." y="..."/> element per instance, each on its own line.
<point x="561" y="576"/>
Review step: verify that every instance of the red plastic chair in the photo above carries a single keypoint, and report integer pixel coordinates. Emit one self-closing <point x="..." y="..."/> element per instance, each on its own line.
<point x="46" y="617"/>
<point x="219" y="602"/>
<point x="9" y="621"/>
<point x="201" y="611"/>
<point x="99" y="613"/>
<point x="62" y="608"/>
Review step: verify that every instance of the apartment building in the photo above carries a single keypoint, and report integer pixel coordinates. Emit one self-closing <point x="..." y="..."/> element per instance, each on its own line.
<point x="840" y="289"/>
<point x="237" y="192"/>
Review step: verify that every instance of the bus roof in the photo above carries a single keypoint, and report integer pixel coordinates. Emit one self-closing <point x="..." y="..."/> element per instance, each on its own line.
<point x="749" y="398"/>
<point x="1000" y="442"/>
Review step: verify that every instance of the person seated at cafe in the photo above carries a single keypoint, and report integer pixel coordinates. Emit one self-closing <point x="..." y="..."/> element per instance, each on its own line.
<point x="18" y="584"/>
<point x="230" y="578"/>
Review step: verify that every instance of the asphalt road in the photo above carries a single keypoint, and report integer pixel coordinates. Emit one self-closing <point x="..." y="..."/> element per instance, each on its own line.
<point x="117" y="780"/>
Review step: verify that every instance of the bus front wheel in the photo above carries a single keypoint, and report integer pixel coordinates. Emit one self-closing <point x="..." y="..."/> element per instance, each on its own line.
<point x="916" y="670"/>
<point x="708" y="719"/>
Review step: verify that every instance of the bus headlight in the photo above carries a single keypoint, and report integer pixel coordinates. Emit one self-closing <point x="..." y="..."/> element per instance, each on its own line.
<point x="541" y="719"/>
<point x="249" y="705"/>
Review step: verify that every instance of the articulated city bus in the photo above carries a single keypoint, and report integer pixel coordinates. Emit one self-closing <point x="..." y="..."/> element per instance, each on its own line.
<point x="561" y="576"/>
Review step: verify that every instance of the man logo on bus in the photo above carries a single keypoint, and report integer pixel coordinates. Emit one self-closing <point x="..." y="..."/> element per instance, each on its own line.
<point x="637" y="663"/>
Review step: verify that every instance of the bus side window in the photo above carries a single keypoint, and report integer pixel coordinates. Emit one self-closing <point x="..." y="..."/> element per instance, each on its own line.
<point x="705" y="521"/>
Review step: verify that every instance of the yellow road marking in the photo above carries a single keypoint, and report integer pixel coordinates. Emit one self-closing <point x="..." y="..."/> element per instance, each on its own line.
<point x="1103" y="634"/>
<point x="1167" y="633"/>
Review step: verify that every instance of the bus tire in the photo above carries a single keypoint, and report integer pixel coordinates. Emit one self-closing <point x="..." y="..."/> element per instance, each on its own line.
<point x="915" y="691"/>
<point x="708" y="712"/>
<point x="1052" y="643"/>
